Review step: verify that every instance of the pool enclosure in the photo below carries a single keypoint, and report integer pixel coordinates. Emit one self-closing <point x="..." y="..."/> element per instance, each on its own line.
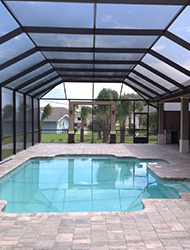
<point x="140" y="44"/>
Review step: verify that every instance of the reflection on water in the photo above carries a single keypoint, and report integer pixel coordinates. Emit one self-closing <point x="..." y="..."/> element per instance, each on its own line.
<point x="75" y="184"/>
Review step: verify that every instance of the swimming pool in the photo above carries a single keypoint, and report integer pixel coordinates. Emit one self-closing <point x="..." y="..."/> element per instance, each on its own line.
<point x="84" y="184"/>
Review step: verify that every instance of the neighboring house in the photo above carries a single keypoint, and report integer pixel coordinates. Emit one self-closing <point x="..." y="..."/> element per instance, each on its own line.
<point x="77" y="118"/>
<point x="57" y="122"/>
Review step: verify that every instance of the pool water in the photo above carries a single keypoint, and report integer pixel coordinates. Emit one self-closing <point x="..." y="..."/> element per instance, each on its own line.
<point x="83" y="184"/>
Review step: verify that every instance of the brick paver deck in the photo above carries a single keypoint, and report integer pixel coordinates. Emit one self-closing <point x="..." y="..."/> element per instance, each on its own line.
<point x="163" y="224"/>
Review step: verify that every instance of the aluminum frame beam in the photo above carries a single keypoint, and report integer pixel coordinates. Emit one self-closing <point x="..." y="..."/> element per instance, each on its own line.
<point x="92" y="31"/>
<point x="138" y="90"/>
<point x="144" y="2"/>
<point x="151" y="81"/>
<point x="158" y="73"/>
<point x="42" y="84"/>
<point x="30" y="81"/>
<point x="46" y="90"/>
<point x="23" y="73"/>
<point x="67" y="61"/>
<point x="18" y="58"/>
<point x="90" y="50"/>
<point x="10" y="35"/>
<point x="143" y="86"/>
<point x="169" y="62"/>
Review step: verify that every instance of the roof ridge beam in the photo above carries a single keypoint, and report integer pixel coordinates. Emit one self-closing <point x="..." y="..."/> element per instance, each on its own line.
<point x="169" y="62"/>
<point x="11" y="35"/>
<point x="90" y="70"/>
<point x="96" y="76"/>
<point x="18" y="58"/>
<point x="177" y="40"/>
<point x="23" y="73"/>
<point x="149" y="2"/>
<point x="92" y="31"/>
<point x="96" y="81"/>
<point x="158" y="73"/>
<point x="90" y="50"/>
<point x="21" y="86"/>
<point x="123" y="62"/>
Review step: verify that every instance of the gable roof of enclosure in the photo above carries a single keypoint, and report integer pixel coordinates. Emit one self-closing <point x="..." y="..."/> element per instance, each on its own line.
<point x="144" y="44"/>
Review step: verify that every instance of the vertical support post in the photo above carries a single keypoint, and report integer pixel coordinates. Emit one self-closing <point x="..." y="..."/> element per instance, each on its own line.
<point x="184" y="125"/>
<point x="71" y="132"/>
<point x="134" y="121"/>
<point x="113" y="119"/>
<point x="1" y="124"/>
<point x="148" y="122"/>
<point x="14" y="122"/>
<point x="32" y="121"/>
<point x="24" y="121"/>
<point x="39" y="132"/>
<point x="161" y="123"/>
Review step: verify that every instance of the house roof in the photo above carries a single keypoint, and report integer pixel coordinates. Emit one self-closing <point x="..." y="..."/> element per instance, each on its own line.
<point x="143" y="44"/>
<point x="57" y="113"/>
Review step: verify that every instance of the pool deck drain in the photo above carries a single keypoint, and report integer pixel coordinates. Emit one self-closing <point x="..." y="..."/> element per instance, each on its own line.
<point x="163" y="224"/>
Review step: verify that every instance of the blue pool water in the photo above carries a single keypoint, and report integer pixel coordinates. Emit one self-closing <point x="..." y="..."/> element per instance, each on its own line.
<point x="83" y="184"/>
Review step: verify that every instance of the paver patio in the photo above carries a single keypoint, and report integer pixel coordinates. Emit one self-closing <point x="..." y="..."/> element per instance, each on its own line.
<point x="163" y="224"/>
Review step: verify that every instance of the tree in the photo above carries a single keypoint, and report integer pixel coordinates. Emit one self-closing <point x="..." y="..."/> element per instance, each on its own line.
<point x="104" y="110"/>
<point x="124" y="109"/>
<point x="96" y="125"/>
<point x="7" y="113"/>
<point x="153" y="120"/>
<point x="47" y="111"/>
<point x="85" y="111"/>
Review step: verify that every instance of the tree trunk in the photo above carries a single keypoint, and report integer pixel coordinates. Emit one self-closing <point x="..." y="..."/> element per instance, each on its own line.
<point x="122" y="134"/>
<point x="104" y="130"/>
<point x="99" y="135"/>
<point x="107" y="128"/>
<point x="82" y="134"/>
<point x="40" y="133"/>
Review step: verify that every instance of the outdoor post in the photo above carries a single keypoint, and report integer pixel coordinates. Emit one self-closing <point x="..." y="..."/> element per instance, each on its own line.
<point x="184" y="125"/>
<point x="71" y="132"/>
<point x="113" y="119"/>
<point x="161" y="123"/>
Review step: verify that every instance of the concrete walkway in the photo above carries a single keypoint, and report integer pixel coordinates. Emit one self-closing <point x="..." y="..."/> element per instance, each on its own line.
<point x="163" y="224"/>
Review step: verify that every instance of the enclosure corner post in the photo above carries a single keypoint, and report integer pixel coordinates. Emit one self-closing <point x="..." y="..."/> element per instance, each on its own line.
<point x="113" y="119"/>
<point x="71" y="132"/>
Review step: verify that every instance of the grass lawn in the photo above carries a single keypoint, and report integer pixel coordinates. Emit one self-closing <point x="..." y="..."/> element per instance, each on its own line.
<point x="87" y="138"/>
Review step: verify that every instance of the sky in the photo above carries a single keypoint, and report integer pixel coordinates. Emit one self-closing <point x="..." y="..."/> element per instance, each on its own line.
<point x="81" y="91"/>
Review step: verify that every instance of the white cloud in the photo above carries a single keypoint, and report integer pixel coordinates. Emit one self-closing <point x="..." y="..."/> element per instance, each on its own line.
<point x="159" y="47"/>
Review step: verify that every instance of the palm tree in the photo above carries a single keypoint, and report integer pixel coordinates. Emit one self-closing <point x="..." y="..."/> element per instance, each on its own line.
<point x="124" y="109"/>
<point x="104" y="111"/>
<point x="85" y="111"/>
<point x="96" y="125"/>
<point x="47" y="111"/>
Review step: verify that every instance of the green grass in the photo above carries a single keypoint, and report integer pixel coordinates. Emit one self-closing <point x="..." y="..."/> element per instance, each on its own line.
<point x="54" y="138"/>
<point x="6" y="153"/>
<point x="87" y="138"/>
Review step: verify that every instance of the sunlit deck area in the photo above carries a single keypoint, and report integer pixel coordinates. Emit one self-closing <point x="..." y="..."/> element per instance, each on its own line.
<point x="163" y="224"/>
